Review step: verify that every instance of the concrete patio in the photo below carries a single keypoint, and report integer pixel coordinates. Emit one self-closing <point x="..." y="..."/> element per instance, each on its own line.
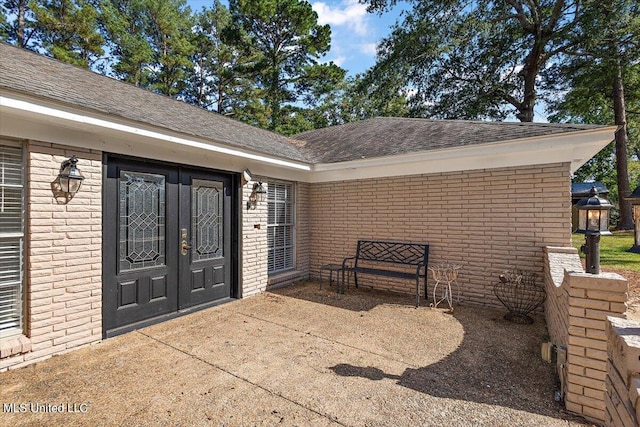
<point x="300" y="355"/>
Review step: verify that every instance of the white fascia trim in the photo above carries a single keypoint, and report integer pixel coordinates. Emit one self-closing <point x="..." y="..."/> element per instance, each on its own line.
<point x="571" y="147"/>
<point x="92" y="121"/>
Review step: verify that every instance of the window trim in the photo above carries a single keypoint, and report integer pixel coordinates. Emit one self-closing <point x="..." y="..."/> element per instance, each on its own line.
<point x="22" y="238"/>
<point x="292" y="224"/>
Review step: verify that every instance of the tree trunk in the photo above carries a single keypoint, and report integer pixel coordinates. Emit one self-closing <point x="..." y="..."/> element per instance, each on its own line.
<point x="626" y="218"/>
<point x="22" y="9"/>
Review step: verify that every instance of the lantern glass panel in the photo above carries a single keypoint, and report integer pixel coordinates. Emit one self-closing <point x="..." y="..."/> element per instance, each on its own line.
<point x="593" y="218"/>
<point x="582" y="219"/>
<point x="64" y="184"/>
<point x="604" y="220"/>
<point x="636" y="217"/>
<point x="74" y="185"/>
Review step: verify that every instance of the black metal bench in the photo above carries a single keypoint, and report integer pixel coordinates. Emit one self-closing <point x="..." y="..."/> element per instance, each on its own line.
<point x="375" y="255"/>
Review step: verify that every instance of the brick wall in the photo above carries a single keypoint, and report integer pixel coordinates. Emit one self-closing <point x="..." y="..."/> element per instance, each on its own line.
<point x="63" y="271"/>
<point x="255" y="251"/>
<point x="254" y="244"/>
<point x="486" y="220"/>
<point x="623" y="373"/>
<point x="303" y="223"/>
<point x="576" y="313"/>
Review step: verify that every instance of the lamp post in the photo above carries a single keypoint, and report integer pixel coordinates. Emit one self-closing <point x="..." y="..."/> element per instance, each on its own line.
<point x="634" y="198"/>
<point x="593" y="222"/>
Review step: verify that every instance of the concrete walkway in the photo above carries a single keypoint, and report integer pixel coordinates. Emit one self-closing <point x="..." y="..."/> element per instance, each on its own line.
<point x="300" y="356"/>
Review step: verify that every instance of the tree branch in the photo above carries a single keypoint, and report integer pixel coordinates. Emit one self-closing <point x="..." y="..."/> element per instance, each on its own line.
<point x="521" y="16"/>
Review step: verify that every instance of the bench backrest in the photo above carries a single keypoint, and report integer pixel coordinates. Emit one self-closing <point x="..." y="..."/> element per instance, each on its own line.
<point x="393" y="252"/>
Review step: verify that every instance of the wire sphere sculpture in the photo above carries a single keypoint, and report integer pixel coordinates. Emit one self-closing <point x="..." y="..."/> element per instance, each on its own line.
<point x="518" y="292"/>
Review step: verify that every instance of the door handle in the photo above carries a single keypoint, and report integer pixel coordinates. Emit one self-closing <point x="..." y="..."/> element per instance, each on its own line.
<point x="184" y="247"/>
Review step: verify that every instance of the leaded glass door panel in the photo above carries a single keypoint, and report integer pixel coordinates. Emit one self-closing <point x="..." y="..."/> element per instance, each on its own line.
<point x="140" y="263"/>
<point x="205" y="213"/>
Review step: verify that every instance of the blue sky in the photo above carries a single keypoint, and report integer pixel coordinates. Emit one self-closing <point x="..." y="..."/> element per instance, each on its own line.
<point x="354" y="32"/>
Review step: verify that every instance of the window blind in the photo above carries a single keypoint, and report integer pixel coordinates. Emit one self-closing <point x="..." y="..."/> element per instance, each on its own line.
<point x="11" y="238"/>
<point x="280" y="226"/>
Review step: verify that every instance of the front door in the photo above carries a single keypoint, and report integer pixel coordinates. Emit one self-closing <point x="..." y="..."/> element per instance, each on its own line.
<point x="166" y="244"/>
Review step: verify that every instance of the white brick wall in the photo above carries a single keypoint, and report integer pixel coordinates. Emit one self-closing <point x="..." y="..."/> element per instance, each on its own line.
<point x="254" y="244"/>
<point x="485" y="220"/>
<point x="63" y="271"/>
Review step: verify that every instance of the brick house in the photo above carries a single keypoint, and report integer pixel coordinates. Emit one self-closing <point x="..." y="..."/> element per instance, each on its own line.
<point x="164" y="224"/>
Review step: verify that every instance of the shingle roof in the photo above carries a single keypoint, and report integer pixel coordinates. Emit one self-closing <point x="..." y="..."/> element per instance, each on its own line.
<point x="25" y="72"/>
<point x="582" y="189"/>
<point x="29" y="73"/>
<point x="387" y="136"/>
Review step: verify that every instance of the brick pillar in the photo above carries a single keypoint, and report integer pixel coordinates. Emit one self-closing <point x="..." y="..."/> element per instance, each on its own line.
<point x="254" y="244"/>
<point x="591" y="299"/>
<point x="623" y="374"/>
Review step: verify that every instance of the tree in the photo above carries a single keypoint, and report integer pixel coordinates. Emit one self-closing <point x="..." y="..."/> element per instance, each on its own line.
<point x="125" y="24"/>
<point x="20" y="29"/>
<point x="352" y="100"/>
<point x="221" y="70"/>
<point x="150" y="41"/>
<point x="289" y="41"/>
<point x="68" y="30"/>
<point x="598" y="75"/>
<point x="459" y="59"/>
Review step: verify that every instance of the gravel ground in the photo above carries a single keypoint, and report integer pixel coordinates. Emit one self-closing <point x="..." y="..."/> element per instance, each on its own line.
<point x="302" y="356"/>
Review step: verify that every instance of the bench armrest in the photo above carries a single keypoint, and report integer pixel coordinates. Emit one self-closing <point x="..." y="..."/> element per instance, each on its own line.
<point x="344" y="262"/>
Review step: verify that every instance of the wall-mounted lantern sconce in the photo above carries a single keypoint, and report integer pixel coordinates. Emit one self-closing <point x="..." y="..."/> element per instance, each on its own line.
<point x="258" y="195"/>
<point x="634" y="198"/>
<point x="593" y="222"/>
<point x="70" y="178"/>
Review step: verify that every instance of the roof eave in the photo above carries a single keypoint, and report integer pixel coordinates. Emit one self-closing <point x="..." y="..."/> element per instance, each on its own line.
<point x="575" y="148"/>
<point x="108" y="133"/>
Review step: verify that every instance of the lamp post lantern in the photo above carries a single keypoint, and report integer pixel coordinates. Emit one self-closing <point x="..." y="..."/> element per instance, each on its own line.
<point x="634" y="198"/>
<point x="593" y="222"/>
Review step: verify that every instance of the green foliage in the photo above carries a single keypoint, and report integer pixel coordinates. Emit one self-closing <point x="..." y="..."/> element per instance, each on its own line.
<point x="19" y="29"/>
<point x="606" y="55"/>
<point x="455" y="59"/>
<point x="151" y="42"/>
<point x="217" y="74"/>
<point x="68" y="30"/>
<point x="613" y="251"/>
<point x="288" y="41"/>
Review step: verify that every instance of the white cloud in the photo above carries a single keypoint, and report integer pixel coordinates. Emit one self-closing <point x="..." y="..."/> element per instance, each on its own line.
<point x="349" y="13"/>
<point x="368" y="48"/>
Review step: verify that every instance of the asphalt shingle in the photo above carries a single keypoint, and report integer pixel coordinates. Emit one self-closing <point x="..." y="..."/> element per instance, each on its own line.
<point x="388" y="136"/>
<point x="35" y="75"/>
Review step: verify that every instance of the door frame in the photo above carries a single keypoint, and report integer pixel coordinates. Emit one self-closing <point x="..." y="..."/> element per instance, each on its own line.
<point x="236" y="242"/>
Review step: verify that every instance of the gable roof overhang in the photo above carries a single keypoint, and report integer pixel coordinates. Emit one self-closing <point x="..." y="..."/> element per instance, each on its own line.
<point x="36" y="119"/>
<point x="25" y="117"/>
<point x="575" y="148"/>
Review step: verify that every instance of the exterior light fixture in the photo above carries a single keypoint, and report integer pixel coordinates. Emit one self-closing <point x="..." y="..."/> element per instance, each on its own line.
<point x="70" y="178"/>
<point x="258" y="195"/>
<point x="634" y="198"/>
<point x="246" y="176"/>
<point x="593" y="222"/>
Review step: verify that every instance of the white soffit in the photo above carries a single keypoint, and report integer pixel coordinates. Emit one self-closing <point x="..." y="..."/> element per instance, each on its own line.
<point x="571" y="147"/>
<point x="52" y="123"/>
<point x="83" y="122"/>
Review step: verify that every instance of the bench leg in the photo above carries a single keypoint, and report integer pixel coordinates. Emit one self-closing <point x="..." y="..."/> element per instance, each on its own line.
<point x="355" y="278"/>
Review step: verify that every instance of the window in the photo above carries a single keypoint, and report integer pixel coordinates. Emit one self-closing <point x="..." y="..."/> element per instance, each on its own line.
<point x="11" y="238"/>
<point x="280" y="225"/>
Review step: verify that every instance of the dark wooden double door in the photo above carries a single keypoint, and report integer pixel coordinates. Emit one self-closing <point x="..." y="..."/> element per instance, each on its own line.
<point x="166" y="243"/>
